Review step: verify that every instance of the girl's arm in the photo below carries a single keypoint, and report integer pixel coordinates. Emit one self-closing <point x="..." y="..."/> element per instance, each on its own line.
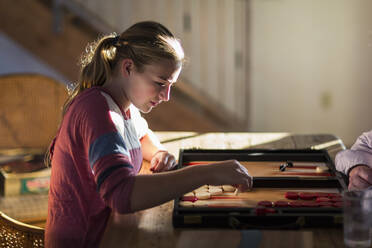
<point x="160" y="159"/>
<point x="154" y="189"/>
<point x="150" y="144"/>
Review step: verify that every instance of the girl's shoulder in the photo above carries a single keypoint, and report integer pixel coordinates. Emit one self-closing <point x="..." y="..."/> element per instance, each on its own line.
<point x="90" y="102"/>
<point x="89" y="98"/>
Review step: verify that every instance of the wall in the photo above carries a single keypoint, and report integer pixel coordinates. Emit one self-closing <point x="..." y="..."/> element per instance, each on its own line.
<point x="301" y="66"/>
<point x="311" y="66"/>
<point x="15" y="59"/>
<point x="213" y="34"/>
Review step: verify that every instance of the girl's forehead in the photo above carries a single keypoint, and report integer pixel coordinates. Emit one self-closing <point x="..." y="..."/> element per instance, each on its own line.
<point x="165" y="65"/>
<point x="164" y="70"/>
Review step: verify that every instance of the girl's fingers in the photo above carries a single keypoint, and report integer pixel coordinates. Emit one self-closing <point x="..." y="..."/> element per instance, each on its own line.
<point x="247" y="180"/>
<point x="171" y="163"/>
<point x="153" y="164"/>
<point x="164" y="163"/>
<point x="159" y="166"/>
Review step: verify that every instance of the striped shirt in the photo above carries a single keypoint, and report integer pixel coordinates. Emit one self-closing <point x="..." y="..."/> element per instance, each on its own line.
<point x="97" y="153"/>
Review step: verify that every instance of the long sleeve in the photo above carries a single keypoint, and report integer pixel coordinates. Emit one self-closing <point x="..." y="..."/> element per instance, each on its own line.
<point x="114" y="151"/>
<point x="360" y="153"/>
<point x="96" y="157"/>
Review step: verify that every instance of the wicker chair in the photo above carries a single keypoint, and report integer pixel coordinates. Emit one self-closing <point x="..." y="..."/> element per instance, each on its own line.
<point x="14" y="234"/>
<point x="30" y="110"/>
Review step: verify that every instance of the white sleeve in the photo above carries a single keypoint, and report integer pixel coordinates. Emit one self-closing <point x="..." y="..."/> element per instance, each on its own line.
<point x="360" y="153"/>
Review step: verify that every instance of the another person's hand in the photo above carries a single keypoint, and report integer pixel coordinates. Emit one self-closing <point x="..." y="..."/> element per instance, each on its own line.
<point x="162" y="161"/>
<point x="360" y="177"/>
<point x="233" y="173"/>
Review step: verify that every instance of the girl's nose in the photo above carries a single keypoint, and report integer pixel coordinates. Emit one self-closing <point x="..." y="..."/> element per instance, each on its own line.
<point x="165" y="93"/>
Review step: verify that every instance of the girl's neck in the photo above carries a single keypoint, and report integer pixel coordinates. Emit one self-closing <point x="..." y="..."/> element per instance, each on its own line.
<point x="112" y="86"/>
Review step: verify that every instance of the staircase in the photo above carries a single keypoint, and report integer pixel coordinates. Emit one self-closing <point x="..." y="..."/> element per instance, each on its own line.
<point x="31" y="24"/>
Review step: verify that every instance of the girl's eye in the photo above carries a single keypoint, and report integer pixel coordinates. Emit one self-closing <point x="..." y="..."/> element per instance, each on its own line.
<point x="160" y="84"/>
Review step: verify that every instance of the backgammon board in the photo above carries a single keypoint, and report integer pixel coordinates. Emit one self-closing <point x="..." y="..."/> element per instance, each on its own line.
<point x="291" y="189"/>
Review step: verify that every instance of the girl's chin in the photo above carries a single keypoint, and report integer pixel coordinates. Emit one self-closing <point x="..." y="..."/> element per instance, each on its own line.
<point x="145" y="109"/>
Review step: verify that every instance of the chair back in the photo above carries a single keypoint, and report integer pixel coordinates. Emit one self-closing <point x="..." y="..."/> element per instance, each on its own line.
<point x="16" y="234"/>
<point x="30" y="110"/>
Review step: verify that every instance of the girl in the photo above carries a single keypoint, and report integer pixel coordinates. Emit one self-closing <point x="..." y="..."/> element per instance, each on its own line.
<point x="98" y="150"/>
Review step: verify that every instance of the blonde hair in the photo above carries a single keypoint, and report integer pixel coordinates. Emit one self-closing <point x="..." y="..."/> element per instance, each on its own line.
<point x="144" y="43"/>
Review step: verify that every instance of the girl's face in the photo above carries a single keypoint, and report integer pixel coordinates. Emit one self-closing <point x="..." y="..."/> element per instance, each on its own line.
<point x="147" y="89"/>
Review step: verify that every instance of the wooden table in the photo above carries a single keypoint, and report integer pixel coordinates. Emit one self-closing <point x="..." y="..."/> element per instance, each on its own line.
<point x="153" y="227"/>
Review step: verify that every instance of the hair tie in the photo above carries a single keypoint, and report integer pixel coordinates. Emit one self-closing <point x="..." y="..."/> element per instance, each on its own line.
<point x="116" y="40"/>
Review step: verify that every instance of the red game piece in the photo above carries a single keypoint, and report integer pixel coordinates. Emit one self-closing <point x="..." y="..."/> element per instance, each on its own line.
<point x="337" y="204"/>
<point x="260" y="211"/>
<point x="263" y="211"/>
<point x="270" y="210"/>
<point x="265" y="203"/>
<point x="310" y="204"/>
<point x="321" y="194"/>
<point x="281" y="204"/>
<point x="323" y="199"/>
<point x="327" y="204"/>
<point x="334" y="194"/>
<point x="295" y="204"/>
<point x="189" y="198"/>
<point x="307" y="195"/>
<point x="336" y="199"/>
<point x="291" y="195"/>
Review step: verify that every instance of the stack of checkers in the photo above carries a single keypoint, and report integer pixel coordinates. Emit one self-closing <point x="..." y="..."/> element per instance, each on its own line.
<point x="196" y="197"/>
<point x="302" y="199"/>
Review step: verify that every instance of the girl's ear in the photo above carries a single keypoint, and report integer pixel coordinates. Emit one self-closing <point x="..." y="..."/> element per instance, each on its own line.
<point x="126" y="67"/>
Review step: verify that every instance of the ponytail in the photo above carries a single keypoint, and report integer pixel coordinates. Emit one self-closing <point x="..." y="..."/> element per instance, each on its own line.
<point x="96" y="66"/>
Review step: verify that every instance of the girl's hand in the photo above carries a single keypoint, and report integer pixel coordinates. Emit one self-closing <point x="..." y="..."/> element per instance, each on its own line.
<point x="162" y="161"/>
<point x="233" y="173"/>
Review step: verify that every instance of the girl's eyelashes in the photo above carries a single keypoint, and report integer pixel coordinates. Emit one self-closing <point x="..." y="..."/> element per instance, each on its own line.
<point x="163" y="84"/>
<point x="160" y="84"/>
